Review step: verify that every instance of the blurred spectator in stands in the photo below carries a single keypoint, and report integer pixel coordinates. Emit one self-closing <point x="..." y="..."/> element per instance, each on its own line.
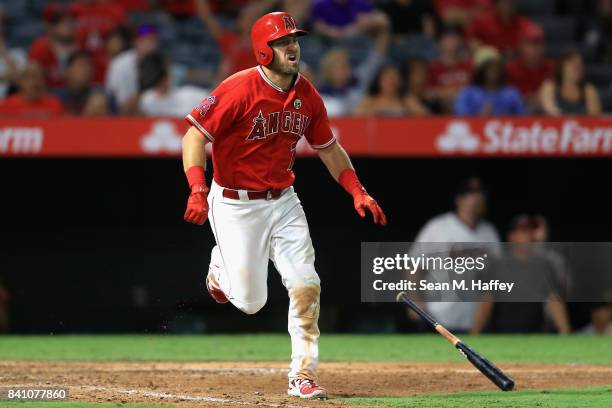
<point x="11" y="61"/>
<point x="79" y="97"/>
<point x="410" y="17"/>
<point x="499" y="27"/>
<point x="51" y="51"/>
<point x="179" y="8"/>
<point x="182" y="9"/>
<point x="122" y="75"/>
<point x="342" y="86"/>
<point x="601" y="318"/>
<point x="4" y="308"/>
<point x="227" y="8"/>
<point x="95" y="20"/>
<point x="384" y="96"/>
<point x="568" y="93"/>
<point x="541" y="236"/>
<point x="466" y="224"/>
<point x="488" y="94"/>
<point x="534" y="278"/>
<point x="417" y="101"/>
<point x="591" y="317"/>
<point x="160" y="97"/>
<point x="460" y="12"/>
<point x="340" y="89"/>
<point x="531" y="68"/>
<point x="451" y="71"/>
<point x="551" y="252"/>
<point x="235" y="46"/>
<point x="136" y="5"/>
<point x="118" y="40"/>
<point x="298" y="9"/>
<point x="338" y="19"/>
<point x="32" y="98"/>
<point x="598" y="33"/>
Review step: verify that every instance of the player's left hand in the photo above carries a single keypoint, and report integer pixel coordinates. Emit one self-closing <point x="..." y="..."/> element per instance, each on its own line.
<point x="364" y="201"/>
<point x="197" y="205"/>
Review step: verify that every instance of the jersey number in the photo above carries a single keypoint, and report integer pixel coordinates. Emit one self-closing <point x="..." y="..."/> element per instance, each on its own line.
<point x="293" y="149"/>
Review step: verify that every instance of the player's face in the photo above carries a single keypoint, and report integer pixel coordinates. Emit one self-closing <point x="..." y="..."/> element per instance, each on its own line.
<point x="474" y="203"/>
<point x="286" y="55"/>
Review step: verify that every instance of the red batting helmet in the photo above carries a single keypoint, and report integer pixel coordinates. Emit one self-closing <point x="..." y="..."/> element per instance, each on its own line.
<point x="268" y="28"/>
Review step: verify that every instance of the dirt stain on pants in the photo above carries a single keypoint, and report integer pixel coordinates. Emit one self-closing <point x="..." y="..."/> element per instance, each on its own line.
<point x="304" y="330"/>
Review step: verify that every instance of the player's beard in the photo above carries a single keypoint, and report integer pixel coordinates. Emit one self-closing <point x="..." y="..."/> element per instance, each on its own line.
<point x="284" y="68"/>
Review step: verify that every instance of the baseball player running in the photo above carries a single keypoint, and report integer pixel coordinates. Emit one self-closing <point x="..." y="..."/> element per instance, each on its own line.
<point x="254" y="120"/>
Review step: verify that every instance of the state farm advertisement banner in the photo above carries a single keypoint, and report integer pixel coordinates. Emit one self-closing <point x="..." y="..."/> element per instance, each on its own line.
<point x="375" y="137"/>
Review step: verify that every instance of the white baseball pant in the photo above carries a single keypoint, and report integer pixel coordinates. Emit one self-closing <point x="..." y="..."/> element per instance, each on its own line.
<point x="248" y="233"/>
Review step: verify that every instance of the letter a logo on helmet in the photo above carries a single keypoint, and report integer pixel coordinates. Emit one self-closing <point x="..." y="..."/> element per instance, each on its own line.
<point x="289" y="23"/>
<point x="268" y="28"/>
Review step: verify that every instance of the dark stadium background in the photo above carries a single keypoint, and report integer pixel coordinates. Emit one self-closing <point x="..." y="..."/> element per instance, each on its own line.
<point x="100" y="245"/>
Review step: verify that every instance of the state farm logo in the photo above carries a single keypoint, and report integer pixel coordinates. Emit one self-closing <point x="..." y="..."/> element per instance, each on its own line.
<point x="21" y="140"/>
<point x="511" y="138"/>
<point x="163" y="138"/>
<point x="567" y="137"/>
<point x="458" y="137"/>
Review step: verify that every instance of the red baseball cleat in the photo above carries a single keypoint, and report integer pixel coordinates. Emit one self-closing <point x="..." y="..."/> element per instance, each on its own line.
<point x="215" y="291"/>
<point x="307" y="389"/>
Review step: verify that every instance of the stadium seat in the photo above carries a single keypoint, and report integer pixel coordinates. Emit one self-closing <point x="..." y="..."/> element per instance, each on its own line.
<point x="537" y="7"/>
<point x="558" y="29"/>
<point x="25" y="32"/>
<point x="606" y="99"/>
<point x="555" y="49"/>
<point x="15" y="9"/>
<point x="191" y="30"/>
<point x="312" y="50"/>
<point x="36" y="6"/>
<point x="599" y="74"/>
<point x="137" y="18"/>
<point x="415" y="47"/>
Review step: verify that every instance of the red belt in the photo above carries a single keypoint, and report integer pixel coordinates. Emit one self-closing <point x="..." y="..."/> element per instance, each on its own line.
<point x="253" y="195"/>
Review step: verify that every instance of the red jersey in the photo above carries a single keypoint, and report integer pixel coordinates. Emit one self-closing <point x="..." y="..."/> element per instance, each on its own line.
<point x="16" y="104"/>
<point x="134" y="5"/>
<point x="42" y="53"/>
<point x="489" y="29"/>
<point x="95" y="21"/>
<point x="180" y="8"/>
<point x="454" y="75"/>
<point x="254" y="127"/>
<point x="528" y="80"/>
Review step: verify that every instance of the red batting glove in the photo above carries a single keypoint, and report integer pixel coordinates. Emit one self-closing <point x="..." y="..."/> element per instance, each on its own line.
<point x="197" y="204"/>
<point x="362" y="200"/>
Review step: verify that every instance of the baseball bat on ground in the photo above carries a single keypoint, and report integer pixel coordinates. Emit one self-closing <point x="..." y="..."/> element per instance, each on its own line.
<point x="497" y="376"/>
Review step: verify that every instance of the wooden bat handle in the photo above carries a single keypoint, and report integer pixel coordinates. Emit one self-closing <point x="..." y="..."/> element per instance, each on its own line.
<point x="452" y="339"/>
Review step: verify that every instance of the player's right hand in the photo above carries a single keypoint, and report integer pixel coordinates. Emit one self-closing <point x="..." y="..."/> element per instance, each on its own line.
<point x="197" y="205"/>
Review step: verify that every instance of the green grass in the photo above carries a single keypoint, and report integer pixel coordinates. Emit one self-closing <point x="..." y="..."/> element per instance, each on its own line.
<point x="276" y="347"/>
<point x="558" y="398"/>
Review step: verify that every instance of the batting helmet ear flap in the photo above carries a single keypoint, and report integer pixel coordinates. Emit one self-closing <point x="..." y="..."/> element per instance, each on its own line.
<point x="268" y="28"/>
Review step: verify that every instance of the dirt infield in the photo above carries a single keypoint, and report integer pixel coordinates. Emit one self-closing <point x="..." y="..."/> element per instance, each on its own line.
<point x="264" y="384"/>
